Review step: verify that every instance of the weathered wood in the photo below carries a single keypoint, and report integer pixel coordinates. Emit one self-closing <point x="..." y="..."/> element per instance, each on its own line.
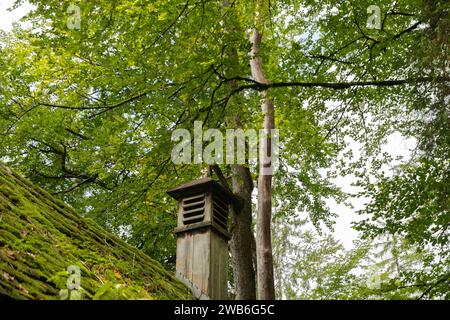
<point x="202" y="246"/>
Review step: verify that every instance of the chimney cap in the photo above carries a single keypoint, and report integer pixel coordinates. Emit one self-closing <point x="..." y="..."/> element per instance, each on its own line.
<point x="202" y="185"/>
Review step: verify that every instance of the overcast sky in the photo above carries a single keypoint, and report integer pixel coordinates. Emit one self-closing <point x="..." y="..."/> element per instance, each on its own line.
<point x="396" y="146"/>
<point x="7" y="17"/>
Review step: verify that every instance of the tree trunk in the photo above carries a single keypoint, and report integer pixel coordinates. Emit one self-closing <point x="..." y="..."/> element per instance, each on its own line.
<point x="242" y="236"/>
<point x="266" y="287"/>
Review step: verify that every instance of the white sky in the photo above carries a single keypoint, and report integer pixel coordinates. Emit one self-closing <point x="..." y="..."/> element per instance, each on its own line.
<point x="7" y="17"/>
<point x="396" y="146"/>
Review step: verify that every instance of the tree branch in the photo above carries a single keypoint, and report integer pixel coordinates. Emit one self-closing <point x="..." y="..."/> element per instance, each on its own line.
<point x="411" y="28"/>
<point x="338" y="85"/>
<point x="434" y="285"/>
<point x="170" y="26"/>
<point x="77" y="134"/>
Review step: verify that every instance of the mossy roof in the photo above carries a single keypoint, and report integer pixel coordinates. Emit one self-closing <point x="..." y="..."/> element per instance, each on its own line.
<point x="40" y="237"/>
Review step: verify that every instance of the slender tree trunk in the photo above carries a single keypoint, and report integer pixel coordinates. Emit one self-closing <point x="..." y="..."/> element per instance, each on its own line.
<point x="266" y="287"/>
<point x="242" y="237"/>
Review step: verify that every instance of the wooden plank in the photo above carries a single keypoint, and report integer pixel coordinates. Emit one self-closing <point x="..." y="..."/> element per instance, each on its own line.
<point x="201" y="260"/>
<point x="219" y="264"/>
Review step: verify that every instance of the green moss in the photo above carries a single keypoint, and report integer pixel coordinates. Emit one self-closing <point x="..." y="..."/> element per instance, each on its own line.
<point x="40" y="237"/>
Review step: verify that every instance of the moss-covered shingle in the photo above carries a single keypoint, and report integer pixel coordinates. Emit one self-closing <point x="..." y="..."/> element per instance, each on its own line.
<point x="40" y="237"/>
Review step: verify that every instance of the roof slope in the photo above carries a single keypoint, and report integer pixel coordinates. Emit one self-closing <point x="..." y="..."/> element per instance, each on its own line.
<point x="40" y="237"/>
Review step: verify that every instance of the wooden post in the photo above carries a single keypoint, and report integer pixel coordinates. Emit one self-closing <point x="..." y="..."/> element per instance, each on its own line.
<point x="202" y="237"/>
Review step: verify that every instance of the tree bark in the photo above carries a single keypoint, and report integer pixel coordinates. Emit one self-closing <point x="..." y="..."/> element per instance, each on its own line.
<point x="242" y="237"/>
<point x="266" y="287"/>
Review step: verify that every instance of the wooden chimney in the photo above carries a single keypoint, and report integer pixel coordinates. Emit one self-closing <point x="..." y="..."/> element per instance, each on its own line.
<point x="202" y="237"/>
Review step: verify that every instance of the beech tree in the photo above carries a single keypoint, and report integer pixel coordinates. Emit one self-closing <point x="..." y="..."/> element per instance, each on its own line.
<point x="92" y="90"/>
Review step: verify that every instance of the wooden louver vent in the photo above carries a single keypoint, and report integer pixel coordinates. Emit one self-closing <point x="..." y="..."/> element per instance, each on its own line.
<point x="220" y="212"/>
<point x="193" y="209"/>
